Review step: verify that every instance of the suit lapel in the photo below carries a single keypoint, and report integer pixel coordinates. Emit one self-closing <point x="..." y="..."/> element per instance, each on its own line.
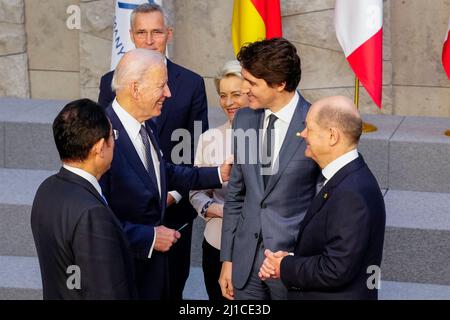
<point x="327" y="191"/>
<point x="126" y="147"/>
<point x="290" y="144"/>
<point x="173" y="75"/>
<point x="257" y="126"/>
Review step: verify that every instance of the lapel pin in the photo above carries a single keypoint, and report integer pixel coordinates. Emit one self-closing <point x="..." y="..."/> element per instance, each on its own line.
<point x="298" y="134"/>
<point x="325" y="195"/>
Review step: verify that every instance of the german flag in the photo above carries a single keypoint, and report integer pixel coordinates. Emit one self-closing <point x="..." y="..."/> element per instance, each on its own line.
<point x="255" y="20"/>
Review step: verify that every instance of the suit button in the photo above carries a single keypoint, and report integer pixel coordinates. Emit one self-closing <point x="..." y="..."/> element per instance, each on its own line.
<point x="256" y="236"/>
<point x="263" y="205"/>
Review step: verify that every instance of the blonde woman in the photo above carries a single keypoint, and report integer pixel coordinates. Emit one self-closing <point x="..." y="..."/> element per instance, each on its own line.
<point x="213" y="148"/>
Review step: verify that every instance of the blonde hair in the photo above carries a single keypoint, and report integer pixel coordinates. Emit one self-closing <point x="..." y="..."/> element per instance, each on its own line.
<point x="230" y="68"/>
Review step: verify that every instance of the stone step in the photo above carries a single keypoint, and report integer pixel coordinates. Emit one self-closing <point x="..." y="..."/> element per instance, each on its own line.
<point x="17" y="190"/>
<point x="20" y="279"/>
<point x="26" y="138"/>
<point x="405" y="153"/>
<point x="417" y="238"/>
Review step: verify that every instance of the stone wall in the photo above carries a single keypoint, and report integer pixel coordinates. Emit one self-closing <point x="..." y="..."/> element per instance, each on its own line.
<point x="13" y="55"/>
<point x="66" y="64"/>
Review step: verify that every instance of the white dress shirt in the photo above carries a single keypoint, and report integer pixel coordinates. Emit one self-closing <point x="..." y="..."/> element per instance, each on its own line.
<point x="334" y="166"/>
<point x="85" y="175"/>
<point x="214" y="146"/>
<point x="281" y="126"/>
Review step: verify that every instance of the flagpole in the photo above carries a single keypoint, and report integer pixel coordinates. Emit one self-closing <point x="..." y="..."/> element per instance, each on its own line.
<point x="367" y="127"/>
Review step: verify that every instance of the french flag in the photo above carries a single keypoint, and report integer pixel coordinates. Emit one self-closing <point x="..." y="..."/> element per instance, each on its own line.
<point x="359" y="30"/>
<point x="446" y="52"/>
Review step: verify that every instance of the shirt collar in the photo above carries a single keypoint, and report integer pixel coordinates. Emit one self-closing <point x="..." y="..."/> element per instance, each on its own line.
<point x="334" y="166"/>
<point x="131" y="125"/>
<point x="287" y="112"/>
<point x="85" y="175"/>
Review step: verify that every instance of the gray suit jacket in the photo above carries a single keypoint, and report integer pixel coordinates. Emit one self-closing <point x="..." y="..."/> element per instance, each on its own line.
<point x="272" y="215"/>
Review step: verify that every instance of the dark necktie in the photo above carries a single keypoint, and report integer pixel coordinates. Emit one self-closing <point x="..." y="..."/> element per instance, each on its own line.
<point x="268" y="149"/>
<point x="148" y="154"/>
<point x="320" y="181"/>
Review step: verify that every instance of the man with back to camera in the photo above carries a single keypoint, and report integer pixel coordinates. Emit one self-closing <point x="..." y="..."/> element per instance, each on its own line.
<point x="136" y="184"/>
<point x="341" y="237"/>
<point x="75" y="232"/>
<point x="151" y="29"/>
<point x="268" y="199"/>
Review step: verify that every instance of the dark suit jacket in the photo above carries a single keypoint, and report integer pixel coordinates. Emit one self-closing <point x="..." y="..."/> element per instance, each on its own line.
<point x="134" y="197"/>
<point x="72" y="226"/>
<point x="275" y="212"/>
<point x="186" y="105"/>
<point x="341" y="236"/>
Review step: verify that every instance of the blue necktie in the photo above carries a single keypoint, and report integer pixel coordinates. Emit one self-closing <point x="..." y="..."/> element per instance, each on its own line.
<point x="148" y="154"/>
<point x="104" y="199"/>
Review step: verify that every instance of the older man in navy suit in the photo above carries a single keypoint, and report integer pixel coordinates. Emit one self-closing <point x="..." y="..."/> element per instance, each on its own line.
<point x="340" y="241"/>
<point x="150" y="29"/>
<point x="137" y="183"/>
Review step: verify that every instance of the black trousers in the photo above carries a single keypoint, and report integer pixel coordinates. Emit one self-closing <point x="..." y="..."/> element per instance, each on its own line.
<point x="211" y="271"/>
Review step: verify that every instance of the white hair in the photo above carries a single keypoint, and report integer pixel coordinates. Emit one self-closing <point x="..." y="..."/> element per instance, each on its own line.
<point x="230" y="68"/>
<point x="133" y="66"/>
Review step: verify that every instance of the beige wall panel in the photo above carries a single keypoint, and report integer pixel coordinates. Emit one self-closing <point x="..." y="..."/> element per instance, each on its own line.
<point x="97" y="18"/>
<point x="94" y="59"/>
<point x="418" y="29"/>
<point x="292" y="7"/>
<point x="51" y="45"/>
<point x="202" y="39"/>
<point x="422" y="101"/>
<point x="55" y="85"/>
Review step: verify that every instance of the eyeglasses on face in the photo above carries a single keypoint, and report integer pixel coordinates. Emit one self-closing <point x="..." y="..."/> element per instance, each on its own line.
<point x="155" y="34"/>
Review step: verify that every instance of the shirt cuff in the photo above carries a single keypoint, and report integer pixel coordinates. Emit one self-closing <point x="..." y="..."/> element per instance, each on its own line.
<point x="176" y="196"/>
<point x="220" y="176"/>
<point x="153" y="244"/>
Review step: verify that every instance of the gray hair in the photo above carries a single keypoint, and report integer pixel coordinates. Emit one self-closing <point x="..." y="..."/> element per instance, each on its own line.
<point x="133" y="65"/>
<point x="230" y="68"/>
<point x="350" y="123"/>
<point x="146" y="8"/>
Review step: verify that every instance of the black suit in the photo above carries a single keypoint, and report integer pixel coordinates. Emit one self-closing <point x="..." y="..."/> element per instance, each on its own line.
<point x="72" y="225"/>
<point x="186" y="105"/>
<point x="341" y="235"/>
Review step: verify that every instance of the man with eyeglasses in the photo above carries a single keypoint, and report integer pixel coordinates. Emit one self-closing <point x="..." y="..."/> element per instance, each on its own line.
<point x="82" y="250"/>
<point x="150" y="29"/>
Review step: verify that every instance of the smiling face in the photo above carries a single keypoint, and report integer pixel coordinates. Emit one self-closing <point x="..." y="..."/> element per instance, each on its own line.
<point x="150" y="32"/>
<point x="260" y="94"/>
<point x="316" y="139"/>
<point x="231" y="98"/>
<point x="153" y="90"/>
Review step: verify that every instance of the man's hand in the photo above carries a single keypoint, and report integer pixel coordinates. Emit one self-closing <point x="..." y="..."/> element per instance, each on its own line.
<point x="170" y="199"/>
<point x="225" y="280"/>
<point x="165" y="238"/>
<point x="225" y="168"/>
<point x="215" y="210"/>
<point x="271" y="264"/>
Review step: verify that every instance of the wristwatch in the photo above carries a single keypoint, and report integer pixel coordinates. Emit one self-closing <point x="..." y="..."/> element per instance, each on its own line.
<point x="205" y="208"/>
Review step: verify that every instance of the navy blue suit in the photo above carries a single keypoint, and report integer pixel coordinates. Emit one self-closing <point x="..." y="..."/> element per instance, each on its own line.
<point x="341" y="235"/>
<point x="187" y="104"/>
<point x="134" y="197"/>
